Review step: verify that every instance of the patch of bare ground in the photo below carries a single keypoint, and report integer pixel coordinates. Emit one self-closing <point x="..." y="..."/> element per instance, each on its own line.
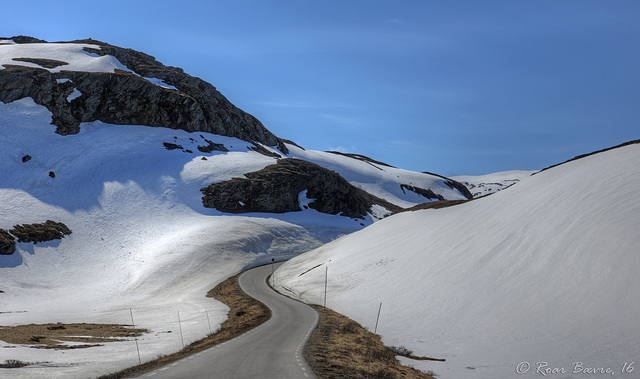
<point x="245" y="313"/>
<point x="55" y="336"/>
<point x="341" y="348"/>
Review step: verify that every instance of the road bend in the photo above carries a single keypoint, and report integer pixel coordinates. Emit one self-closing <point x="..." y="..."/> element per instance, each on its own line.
<point x="272" y="350"/>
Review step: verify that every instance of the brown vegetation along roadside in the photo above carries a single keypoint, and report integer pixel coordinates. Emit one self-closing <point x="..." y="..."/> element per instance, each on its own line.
<point x="54" y="336"/>
<point x="341" y="348"/>
<point x="246" y="313"/>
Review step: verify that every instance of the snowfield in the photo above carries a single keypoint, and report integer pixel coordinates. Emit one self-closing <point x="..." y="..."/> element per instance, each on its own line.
<point x="544" y="272"/>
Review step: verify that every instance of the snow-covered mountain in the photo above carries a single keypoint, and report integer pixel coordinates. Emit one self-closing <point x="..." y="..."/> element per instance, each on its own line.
<point x="123" y="151"/>
<point x="541" y="277"/>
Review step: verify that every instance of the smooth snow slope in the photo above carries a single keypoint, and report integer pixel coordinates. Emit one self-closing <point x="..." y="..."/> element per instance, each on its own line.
<point x="545" y="272"/>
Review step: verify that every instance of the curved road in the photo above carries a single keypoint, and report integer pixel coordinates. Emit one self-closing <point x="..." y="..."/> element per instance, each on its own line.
<point x="272" y="350"/>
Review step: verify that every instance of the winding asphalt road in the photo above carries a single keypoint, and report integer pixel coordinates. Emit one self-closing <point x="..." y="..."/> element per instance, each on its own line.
<point x="272" y="350"/>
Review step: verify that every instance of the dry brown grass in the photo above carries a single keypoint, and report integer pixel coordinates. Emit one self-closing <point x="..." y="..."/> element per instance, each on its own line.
<point x="54" y="336"/>
<point x="342" y="348"/>
<point x="246" y="313"/>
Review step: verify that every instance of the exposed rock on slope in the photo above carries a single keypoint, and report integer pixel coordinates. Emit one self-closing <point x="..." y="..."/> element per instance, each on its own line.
<point x="277" y="188"/>
<point x="426" y="193"/>
<point x="453" y="184"/>
<point x="129" y="98"/>
<point x="7" y="243"/>
<point x="422" y="192"/>
<point x="47" y="231"/>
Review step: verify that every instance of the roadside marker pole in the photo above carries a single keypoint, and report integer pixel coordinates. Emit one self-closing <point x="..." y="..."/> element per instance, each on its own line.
<point x="326" y="278"/>
<point x="377" y="319"/>
<point x="133" y="324"/>
<point x="180" y="325"/>
<point x="273" y="276"/>
<point x="208" y="321"/>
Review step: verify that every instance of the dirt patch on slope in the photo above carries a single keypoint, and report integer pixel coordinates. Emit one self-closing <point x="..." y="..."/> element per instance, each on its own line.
<point x="58" y="336"/>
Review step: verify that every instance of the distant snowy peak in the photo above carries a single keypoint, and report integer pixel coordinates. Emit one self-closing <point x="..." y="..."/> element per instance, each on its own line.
<point x="88" y="80"/>
<point x="482" y="185"/>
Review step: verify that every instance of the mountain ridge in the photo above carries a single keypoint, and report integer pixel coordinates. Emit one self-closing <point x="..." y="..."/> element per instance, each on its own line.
<point x="193" y="104"/>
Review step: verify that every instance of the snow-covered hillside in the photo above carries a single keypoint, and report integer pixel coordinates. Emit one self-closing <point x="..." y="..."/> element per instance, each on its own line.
<point x="142" y="242"/>
<point x="542" y="273"/>
<point x="379" y="179"/>
<point x="481" y="185"/>
<point x="141" y="237"/>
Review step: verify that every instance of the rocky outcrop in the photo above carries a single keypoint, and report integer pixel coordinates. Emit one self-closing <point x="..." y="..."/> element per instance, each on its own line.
<point x="128" y="98"/>
<point x="427" y="193"/>
<point x="7" y="243"/>
<point x="453" y="185"/>
<point x="47" y="231"/>
<point x="460" y="187"/>
<point x="276" y="189"/>
<point x="211" y="146"/>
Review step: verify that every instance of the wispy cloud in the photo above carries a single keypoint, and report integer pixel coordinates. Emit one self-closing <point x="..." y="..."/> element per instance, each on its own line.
<point x="342" y="149"/>
<point x="394" y="21"/>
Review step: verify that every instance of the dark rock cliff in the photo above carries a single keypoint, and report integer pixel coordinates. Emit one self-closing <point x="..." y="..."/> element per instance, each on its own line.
<point x="275" y="189"/>
<point x="130" y="99"/>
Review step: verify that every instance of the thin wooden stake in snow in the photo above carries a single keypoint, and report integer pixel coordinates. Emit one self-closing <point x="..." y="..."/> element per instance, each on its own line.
<point x="133" y="325"/>
<point x="326" y="277"/>
<point x="377" y="319"/>
<point x="273" y="275"/>
<point x="180" y="325"/>
<point x="208" y="321"/>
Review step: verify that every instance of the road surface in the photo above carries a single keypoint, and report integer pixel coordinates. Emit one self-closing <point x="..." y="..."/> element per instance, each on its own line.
<point x="272" y="350"/>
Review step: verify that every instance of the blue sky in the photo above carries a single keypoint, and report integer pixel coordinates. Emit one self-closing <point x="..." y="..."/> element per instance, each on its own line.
<point x="455" y="87"/>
